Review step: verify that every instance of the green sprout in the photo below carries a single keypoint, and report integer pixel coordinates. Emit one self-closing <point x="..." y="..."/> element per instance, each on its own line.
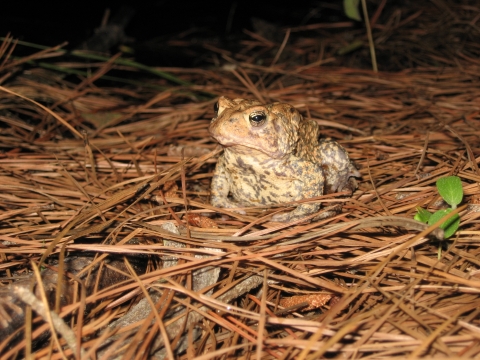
<point x="450" y="189"/>
<point x="351" y="9"/>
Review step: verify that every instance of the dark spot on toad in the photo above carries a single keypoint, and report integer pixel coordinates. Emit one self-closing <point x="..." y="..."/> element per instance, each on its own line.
<point x="240" y="162"/>
<point x="280" y="174"/>
<point x="277" y="126"/>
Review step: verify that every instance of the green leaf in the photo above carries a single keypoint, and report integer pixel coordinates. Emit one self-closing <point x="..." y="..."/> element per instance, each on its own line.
<point x="422" y="215"/>
<point x="350" y="8"/>
<point x="450" y="226"/>
<point x="450" y="189"/>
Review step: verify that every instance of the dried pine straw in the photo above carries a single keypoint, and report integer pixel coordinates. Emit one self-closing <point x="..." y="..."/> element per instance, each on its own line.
<point x="93" y="173"/>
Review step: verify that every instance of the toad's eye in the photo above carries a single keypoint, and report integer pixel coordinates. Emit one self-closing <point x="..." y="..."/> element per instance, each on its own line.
<point x="215" y="107"/>
<point x="257" y="118"/>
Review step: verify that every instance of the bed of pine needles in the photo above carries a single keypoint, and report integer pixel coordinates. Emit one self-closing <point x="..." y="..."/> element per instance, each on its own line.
<point x="91" y="166"/>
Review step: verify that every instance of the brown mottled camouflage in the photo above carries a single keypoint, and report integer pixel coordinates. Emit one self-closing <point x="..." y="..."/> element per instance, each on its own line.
<point x="272" y="156"/>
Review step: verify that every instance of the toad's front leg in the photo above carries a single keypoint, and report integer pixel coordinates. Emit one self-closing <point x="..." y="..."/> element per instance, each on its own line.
<point x="220" y="189"/>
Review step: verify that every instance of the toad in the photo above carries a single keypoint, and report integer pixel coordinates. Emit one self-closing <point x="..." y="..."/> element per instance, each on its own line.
<point x="272" y="155"/>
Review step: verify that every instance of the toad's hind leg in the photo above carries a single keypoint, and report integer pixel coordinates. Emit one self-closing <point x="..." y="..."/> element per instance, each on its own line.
<point x="299" y="212"/>
<point x="337" y="167"/>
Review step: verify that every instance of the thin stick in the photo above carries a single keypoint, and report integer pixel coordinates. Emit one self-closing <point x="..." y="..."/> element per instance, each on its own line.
<point x="370" y="37"/>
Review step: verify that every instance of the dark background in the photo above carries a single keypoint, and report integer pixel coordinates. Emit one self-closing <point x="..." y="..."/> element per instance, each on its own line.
<point x="52" y="22"/>
<point x="198" y="34"/>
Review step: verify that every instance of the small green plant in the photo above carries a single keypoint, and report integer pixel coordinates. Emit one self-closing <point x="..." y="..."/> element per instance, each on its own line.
<point x="450" y="189"/>
<point x="351" y="9"/>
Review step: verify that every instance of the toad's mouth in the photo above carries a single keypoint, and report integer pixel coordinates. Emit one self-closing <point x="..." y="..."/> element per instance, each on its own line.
<point x="222" y="140"/>
<point x="249" y="147"/>
<point x="248" y="151"/>
<point x="228" y="141"/>
<point x="242" y="148"/>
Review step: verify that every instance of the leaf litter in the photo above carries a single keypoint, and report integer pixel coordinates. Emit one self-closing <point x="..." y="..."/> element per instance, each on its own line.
<point x="108" y="186"/>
